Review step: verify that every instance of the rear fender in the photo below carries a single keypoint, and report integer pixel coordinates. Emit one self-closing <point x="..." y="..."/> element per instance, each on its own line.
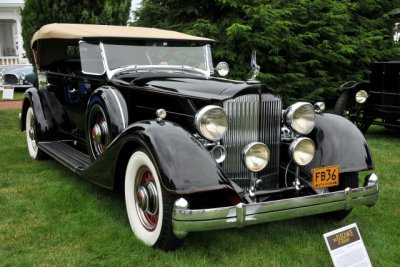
<point x="44" y="124"/>
<point x="339" y="142"/>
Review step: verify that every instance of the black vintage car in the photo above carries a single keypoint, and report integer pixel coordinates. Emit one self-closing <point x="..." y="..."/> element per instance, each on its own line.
<point x="141" y="109"/>
<point x="376" y="101"/>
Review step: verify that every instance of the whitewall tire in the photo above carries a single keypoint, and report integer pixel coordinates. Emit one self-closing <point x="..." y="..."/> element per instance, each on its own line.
<point x="149" y="209"/>
<point x="31" y="139"/>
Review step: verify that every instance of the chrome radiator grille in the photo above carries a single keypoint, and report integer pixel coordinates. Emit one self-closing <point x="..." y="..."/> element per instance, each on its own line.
<point x="252" y="118"/>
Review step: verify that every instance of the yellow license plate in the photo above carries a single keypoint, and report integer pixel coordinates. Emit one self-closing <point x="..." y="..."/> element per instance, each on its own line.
<point x="325" y="176"/>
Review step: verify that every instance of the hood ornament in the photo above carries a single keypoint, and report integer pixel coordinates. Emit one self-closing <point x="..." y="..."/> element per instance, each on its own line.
<point x="255" y="68"/>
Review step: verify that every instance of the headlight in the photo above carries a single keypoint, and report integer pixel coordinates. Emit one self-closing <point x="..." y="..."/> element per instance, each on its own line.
<point x="256" y="156"/>
<point x="1" y="77"/>
<point x="211" y="122"/>
<point x="301" y="117"/>
<point x="361" y="96"/>
<point x="23" y="76"/>
<point x="222" y="69"/>
<point x="302" y="151"/>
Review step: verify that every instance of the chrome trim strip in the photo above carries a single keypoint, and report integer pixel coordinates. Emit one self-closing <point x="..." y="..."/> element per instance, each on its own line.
<point x="185" y="220"/>
<point x="120" y="108"/>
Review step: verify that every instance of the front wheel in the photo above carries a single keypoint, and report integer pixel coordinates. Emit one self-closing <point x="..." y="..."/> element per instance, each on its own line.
<point x="149" y="208"/>
<point x="347" y="106"/>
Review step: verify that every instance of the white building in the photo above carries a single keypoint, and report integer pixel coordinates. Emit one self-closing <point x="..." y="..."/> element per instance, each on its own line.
<point x="11" y="44"/>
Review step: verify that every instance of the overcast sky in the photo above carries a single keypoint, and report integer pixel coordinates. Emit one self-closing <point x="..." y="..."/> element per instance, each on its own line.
<point x="134" y="4"/>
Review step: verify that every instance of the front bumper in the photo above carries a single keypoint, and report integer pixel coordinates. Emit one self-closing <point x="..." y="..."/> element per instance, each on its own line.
<point x="185" y="220"/>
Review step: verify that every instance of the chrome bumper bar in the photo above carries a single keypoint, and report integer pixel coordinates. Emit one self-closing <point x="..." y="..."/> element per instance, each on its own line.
<point x="185" y="220"/>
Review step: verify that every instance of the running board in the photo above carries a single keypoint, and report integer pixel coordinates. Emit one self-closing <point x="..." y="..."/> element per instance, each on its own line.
<point x="66" y="155"/>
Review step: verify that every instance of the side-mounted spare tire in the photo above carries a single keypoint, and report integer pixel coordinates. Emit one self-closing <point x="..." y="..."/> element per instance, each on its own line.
<point x="107" y="117"/>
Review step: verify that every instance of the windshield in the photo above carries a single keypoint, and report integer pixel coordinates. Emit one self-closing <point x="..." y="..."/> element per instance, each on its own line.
<point x="158" y="56"/>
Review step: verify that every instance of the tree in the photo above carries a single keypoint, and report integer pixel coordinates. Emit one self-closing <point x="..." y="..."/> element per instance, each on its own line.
<point x="37" y="13"/>
<point x="305" y="48"/>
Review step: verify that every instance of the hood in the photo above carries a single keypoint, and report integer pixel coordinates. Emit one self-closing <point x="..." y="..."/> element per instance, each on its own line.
<point x="199" y="87"/>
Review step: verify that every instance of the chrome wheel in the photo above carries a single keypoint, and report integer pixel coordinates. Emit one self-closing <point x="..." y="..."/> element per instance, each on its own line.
<point x="99" y="131"/>
<point x="146" y="198"/>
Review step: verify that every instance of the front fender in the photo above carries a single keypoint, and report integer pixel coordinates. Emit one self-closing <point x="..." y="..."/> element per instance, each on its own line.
<point x="339" y="142"/>
<point x="184" y="164"/>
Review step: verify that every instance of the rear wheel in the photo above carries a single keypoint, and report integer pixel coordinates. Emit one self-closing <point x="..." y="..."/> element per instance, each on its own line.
<point x="347" y="106"/>
<point x="149" y="208"/>
<point x="346" y="180"/>
<point x="31" y="138"/>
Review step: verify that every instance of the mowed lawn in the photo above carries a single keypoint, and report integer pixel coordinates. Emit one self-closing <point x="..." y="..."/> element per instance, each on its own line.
<point x="51" y="217"/>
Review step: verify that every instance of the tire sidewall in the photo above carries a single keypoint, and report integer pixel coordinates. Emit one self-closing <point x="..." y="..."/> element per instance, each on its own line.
<point x="30" y="117"/>
<point x="136" y="161"/>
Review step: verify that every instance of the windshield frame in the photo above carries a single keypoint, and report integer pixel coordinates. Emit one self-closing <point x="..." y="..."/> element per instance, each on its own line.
<point x="207" y="72"/>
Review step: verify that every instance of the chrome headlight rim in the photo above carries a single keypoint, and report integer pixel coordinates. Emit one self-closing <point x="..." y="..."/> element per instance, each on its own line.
<point x="246" y="156"/>
<point x="361" y="96"/>
<point x="201" y="116"/>
<point x="291" y="120"/>
<point x="294" y="148"/>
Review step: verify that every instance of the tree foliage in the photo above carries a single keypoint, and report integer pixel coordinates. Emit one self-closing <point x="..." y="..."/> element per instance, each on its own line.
<point x="37" y="13"/>
<point x="305" y="48"/>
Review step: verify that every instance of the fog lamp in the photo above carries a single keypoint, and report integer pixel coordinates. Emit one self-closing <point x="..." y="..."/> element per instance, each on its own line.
<point x="256" y="156"/>
<point x="302" y="151"/>
<point x="361" y="96"/>
<point x="218" y="152"/>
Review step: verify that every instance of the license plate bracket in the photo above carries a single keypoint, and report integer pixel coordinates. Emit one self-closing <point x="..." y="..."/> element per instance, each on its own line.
<point x="325" y="176"/>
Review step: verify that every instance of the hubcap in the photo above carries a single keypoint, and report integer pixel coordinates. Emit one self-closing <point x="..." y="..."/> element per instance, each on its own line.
<point x="147" y="199"/>
<point x="99" y="134"/>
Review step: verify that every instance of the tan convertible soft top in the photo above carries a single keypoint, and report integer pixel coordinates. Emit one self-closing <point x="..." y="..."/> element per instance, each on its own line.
<point x="81" y="31"/>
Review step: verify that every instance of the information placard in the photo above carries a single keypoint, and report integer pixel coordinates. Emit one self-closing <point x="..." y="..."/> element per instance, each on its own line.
<point x="8" y="93"/>
<point x="347" y="247"/>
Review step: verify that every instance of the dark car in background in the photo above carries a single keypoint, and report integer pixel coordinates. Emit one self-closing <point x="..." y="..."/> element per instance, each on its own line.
<point x="144" y="110"/>
<point x="17" y="77"/>
<point x="376" y="101"/>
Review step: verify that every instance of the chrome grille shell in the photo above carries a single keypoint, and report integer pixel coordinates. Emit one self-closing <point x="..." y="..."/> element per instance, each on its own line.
<point x="252" y="118"/>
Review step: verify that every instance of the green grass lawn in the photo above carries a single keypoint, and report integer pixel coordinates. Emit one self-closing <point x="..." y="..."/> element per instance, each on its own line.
<point x="51" y="217"/>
